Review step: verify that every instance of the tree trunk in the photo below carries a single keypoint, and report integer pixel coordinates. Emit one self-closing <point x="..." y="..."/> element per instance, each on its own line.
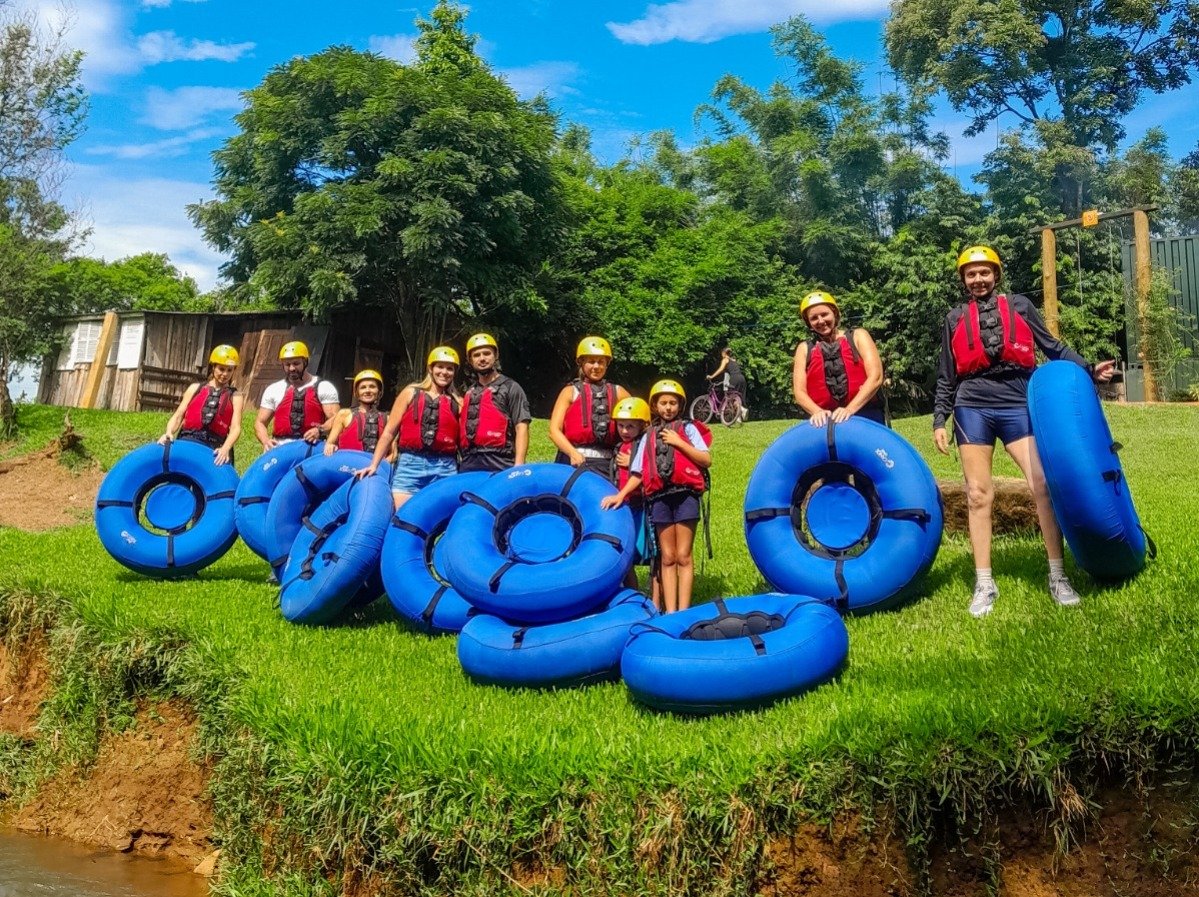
<point x="8" y="412"/>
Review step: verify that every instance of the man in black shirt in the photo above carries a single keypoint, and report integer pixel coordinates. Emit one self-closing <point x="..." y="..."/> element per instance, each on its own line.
<point x="495" y="412"/>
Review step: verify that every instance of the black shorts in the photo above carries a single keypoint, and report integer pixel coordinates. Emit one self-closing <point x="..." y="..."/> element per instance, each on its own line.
<point x="674" y="507"/>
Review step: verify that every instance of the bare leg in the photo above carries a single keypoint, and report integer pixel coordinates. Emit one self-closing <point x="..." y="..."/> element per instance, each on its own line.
<point x="398" y="498"/>
<point x="980" y="496"/>
<point x="684" y="539"/>
<point x="1024" y="453"/>
<point x="668" y="571"/>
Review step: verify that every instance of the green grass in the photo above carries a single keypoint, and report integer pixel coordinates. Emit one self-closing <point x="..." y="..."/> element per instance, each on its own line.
<point x="371" y="747"/>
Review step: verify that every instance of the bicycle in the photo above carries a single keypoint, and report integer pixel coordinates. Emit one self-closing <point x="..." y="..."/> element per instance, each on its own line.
<point x="727" y="407"/>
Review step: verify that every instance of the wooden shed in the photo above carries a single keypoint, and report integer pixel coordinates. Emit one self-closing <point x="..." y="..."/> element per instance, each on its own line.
<point x="150" y="357"/>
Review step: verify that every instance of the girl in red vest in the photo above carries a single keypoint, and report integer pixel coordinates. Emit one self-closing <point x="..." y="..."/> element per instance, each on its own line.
<point x="424" y="424"/>
<point x="988" y="353"/>
<point x="361" y="426"/>
<point x="632" y="416"/>
<point x="581" y="424"/>
<point x="836" y="374"/>
<point x="210" y="412"/>
<point x="669" y="468"/>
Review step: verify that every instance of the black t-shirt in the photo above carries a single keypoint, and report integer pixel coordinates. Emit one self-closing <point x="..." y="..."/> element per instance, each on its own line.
<point x="1003" y="384"/>
<point x="512" y="402"/>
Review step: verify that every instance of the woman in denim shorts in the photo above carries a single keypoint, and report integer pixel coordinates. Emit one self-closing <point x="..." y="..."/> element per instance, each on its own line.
<point x="424" y="418"/>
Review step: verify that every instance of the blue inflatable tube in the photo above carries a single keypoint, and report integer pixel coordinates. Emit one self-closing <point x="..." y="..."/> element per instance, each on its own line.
<point x="166" y="510"/>
<point x="848" y="513"/>
<point x="556" y="655"/>
<point x="1090" y="495"/>
<point x="413" y="561"/>
<point x="532" y="544"/>
<point x="734" y="654"/>
<point x="302" y="489"/>
<point x="256" y="487"/>
<point x="336" y="551"/>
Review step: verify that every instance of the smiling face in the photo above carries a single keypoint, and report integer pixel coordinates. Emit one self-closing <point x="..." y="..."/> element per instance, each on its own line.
<point x="443" y="372"/>
<point x="482" y="359"/>
<point x="222" y="374"/>
<point x="822" y="319"/>
<point x="368" y="392"/>
<point x="979" y="279"/>
<point x="667" y="406"/>
<point x="594" y="367"/>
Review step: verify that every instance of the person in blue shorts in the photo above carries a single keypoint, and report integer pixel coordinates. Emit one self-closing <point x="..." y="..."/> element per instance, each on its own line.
<point x="988" y="353"/>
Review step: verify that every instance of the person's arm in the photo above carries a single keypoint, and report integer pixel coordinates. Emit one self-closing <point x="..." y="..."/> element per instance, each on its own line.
<point x="701" y="458"/>
<point x="221" y="455"/>
<point x="1055" y="349"/>
<point x="520" y="442"/>
<point x="622" y="393"/>
<point x="557" y="419"/>
<point x="340" y="421"/>
<point x="868" y="352"/>
<point x="403" y="400"/>
<point x="947" y="387"/>
<point x="799" y="387"/>
<point x="608" y="502"/>
<point x="266" y="410"/>
<point x="519" y="408"/>
<point x="175" y="422"/>
<point x="326" y="394"/>
<point x="724" y="363"/>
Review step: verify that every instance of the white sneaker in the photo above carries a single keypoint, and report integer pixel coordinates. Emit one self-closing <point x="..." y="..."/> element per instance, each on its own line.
<point x="983" y="600"/>
<point x="1063" y="593"/>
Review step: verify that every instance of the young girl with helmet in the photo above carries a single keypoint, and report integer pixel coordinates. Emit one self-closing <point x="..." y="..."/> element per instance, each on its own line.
<point x="631" y="417"/>
<point x="581" y="424"/>
<point x="669" y="467"/>
<point x="210" y="412"/>
<point x="361" y="426"/>
<point x="425" y="420"/>
<point x="988" y="355"/>
<point x="835" y="374"/>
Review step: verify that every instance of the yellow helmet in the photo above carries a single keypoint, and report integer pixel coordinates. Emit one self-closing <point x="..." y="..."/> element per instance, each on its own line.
<point x="669" y="387"/>
<point x="972" y="255"/>
<point x="593" y="345"/>
<point x="368" y="374"/>
<point x="294" y="349"/>
<point x="631" y="408"/>
<point x="444" y="354"/>
<point x="818" y="297"/>
<point x="224" y="355"/>
<point x="479" y="340"/>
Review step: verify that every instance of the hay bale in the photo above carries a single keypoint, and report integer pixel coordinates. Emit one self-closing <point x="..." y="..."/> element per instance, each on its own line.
<point x="1014" y="510"/>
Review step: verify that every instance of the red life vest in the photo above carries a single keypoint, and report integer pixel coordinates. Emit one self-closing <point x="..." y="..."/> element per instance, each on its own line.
<point x="481" y="422"/>
<point x="994" y="334"/>
<point x="588" y="420"/>
<point x="666" y="469"/>
<point x="620" y="475"/>
<point x="835" y="372"/>
<point x="298" y="412"/>
<point x="209" y="415"/>
<point x="363" y="430"/>
<point x="430" y="424"/>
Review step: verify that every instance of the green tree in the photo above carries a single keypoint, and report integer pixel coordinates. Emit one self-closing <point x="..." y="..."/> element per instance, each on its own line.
<point x="426" y="191"/>
<point x="145" y="282"/>
<point x="42" y="108"/>
<point x="1085" y="63"/>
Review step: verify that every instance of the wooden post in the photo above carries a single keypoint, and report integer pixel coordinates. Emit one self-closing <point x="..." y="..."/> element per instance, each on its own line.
<point x="95" y="373"/>
<point x="1049" y="279"/>
<point x="1144" y="283"/>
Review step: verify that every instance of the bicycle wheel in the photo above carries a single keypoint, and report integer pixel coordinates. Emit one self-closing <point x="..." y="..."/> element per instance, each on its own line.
<point x="730" y="414"/>
<point x="702" y="410"/>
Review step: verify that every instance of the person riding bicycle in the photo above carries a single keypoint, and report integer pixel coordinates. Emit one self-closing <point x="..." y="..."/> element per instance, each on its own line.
<point x="731" y="378"/>
<point x="835" y="374"/>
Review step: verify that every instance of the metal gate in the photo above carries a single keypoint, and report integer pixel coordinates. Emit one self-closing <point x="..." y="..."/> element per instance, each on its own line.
<point x="1179" y="256"/>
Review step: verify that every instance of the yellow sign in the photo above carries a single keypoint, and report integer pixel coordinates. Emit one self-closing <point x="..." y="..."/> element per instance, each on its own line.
<point x="1090" y="218"/>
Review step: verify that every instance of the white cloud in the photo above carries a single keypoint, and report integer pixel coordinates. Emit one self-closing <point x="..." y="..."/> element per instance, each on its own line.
<point x="705" y="21"/>
<point x="186" y="107"/>
<point x="163" y="4"/>
<point x="400" y="47"/>
<point x="551" y="77"/>
<point x="166" y="46"/>
<point x="130" y="216"/>
<point x="167" y="148"/>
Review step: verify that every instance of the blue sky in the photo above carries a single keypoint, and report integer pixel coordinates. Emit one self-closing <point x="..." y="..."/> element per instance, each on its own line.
<point x="165" y="78"/>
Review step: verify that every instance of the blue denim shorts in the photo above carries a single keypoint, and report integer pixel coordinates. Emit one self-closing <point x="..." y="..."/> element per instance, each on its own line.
<point x="414" y="471"/>
<point x="674" y="507"/>
<point x="982" y="426"/>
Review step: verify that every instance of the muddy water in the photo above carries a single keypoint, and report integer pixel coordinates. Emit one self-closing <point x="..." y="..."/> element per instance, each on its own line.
<point x="33" y="866"/>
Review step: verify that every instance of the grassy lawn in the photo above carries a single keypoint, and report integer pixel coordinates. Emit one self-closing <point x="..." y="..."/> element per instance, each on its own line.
<point x="374" y="747"/>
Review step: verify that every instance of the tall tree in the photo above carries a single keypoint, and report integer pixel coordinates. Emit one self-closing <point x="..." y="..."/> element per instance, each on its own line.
<point x="1085" y="63"/>
<point x="42" y="109"/>
<point x="145" y="282"/>
<point x="426" y="190"/>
